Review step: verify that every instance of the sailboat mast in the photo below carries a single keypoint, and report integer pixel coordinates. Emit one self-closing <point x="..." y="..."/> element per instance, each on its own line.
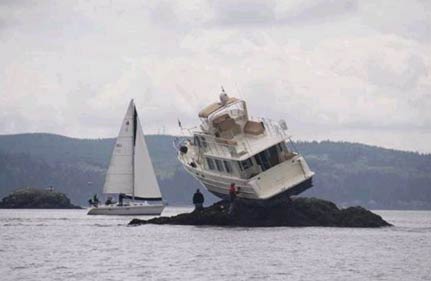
<point x="135" y="123"/>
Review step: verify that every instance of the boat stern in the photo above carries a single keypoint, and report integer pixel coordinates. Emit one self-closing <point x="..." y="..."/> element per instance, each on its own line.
<point x="290" y="177"/>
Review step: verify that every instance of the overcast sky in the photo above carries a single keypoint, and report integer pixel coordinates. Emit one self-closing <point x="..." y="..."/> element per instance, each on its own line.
<point x="342" y="70"/>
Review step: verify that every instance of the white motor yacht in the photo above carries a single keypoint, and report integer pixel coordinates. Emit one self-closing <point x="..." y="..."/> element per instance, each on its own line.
<point x="253" y="153"/>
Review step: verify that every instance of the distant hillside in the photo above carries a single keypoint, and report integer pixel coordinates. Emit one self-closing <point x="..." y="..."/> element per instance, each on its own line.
<point x="77" y="166"/>
<point x="352" y="173"/>
<point x="347" y="173"/>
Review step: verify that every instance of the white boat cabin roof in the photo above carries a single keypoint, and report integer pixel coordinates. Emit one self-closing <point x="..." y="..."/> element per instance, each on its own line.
<point x="210" y="109"/>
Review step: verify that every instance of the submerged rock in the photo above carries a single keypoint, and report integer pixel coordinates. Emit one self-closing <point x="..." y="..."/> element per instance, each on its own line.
<point x="31" y="198"/>
<point x="296" y="212"/>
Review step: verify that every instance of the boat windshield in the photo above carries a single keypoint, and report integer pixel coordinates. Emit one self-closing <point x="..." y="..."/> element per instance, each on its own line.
<point x="264" y="160"/>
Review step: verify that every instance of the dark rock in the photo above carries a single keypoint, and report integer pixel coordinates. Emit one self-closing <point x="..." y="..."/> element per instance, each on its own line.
<point x="31" y="198"/>
<point x="297" y="212"/>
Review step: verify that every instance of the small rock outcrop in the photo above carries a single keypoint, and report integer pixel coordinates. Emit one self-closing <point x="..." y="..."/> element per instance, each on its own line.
<point x="296" y="212"/>
<point x="32" y="198"/>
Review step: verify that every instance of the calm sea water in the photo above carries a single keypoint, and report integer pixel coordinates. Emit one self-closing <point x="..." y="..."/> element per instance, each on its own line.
<point x="69" y="245"/>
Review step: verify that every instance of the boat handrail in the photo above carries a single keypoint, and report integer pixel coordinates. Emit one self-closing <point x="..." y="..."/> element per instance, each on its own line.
<point x="219" y="146"/>
<point x="272" y="127"/>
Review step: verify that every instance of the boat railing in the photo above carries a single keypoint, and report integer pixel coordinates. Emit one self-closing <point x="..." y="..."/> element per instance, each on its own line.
<point x="272" y="128"/>
<point x="220" y="146"/>
<point x="236" y="148"/>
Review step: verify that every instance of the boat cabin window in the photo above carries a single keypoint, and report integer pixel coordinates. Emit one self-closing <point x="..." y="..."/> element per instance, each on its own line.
<point x="280" y="147"/>
<point x="245" y="164"/>
<point x="200" y="141"/>
<point x="228" y="166"/>
<point x="203" y="141"/>
<point x="219" y="165"/>
<point x="210" y="163"/>
<point x="268" y="158"/>
<point x="197" y="141"/>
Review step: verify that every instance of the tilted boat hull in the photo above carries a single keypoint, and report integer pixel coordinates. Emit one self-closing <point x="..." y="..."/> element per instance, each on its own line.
<point x="292" y="191"/>
<point x="286" y="179"/>
<point x="131" y="210"/>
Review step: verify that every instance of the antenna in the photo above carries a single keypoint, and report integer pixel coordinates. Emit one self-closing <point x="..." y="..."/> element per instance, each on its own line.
<point x="223" y="96"/>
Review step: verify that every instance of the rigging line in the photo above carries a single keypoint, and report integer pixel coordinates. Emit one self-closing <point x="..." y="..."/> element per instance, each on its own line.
<point x="293" y="145"/>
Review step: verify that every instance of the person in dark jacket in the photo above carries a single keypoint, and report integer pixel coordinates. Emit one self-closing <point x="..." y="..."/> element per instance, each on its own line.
<point x="109" y="201"/>
<point x="198" y="200"/>
<point x="95" y="201"/>
<point x="121" y="196"/>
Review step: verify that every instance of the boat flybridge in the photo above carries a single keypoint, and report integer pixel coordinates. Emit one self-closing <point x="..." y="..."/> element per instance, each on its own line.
<point x="253" y="153"/>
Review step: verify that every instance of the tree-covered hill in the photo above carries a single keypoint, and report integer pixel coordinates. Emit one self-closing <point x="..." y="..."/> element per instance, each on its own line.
<point x="347" y="173"/>
<point x="369" y="175"/>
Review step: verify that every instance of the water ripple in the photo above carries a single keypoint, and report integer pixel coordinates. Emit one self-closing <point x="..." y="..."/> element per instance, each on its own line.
<point x="69" y="245"/>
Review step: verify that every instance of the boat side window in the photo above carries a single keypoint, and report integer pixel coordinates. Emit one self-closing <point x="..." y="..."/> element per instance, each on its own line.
<point x="210" y="163"/>
<point x="219" y="165"/>
<point x="280" y="147"/>
<point x="245" y="164"/>
<point x="267" y="158"/>
<point x="203" y="141"/>
<point x="228" y="166"/>
<point x="197" y="141"/>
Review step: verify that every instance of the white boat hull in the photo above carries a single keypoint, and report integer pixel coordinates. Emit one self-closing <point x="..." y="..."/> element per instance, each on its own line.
<point x="128" y="210"/>
<point x="296" y="189"/>
<point x="288" y="178"/>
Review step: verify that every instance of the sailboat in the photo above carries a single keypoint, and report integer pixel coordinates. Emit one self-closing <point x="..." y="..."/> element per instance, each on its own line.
<point x="131" y="173"/>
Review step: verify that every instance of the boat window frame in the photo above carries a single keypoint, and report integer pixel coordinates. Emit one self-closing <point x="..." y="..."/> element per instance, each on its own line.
<point x="219" y="165"/>
<point x="197" y="141"/>
<point x="203" y="142"/>
<point x="248" y="161"/>
<point x="280" y="146"/>
<point x="228" y="166"/>
<point x="265" y="157"/>
<point x="212" y="165"/>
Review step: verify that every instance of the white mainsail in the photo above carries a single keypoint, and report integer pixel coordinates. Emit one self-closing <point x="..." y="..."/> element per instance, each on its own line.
<point x="130" y="169"/>
<point x="119" y="177"/>
<point x="146" y="185"/>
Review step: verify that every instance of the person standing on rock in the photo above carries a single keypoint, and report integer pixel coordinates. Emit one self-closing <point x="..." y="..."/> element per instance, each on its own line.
<point x="198" y="200"/>
<point x="233" y="191"/>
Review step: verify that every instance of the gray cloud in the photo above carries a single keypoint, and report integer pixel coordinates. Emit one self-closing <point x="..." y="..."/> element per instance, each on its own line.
<point x="410" y="19"/>
<point x="317" y="11"/>
<point x="243" y="12"/>
<point x="404" y="78"/>
<point x="333" y="69"/>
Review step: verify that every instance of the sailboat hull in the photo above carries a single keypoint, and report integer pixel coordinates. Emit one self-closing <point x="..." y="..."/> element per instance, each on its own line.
<point x="128" y="210"/>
